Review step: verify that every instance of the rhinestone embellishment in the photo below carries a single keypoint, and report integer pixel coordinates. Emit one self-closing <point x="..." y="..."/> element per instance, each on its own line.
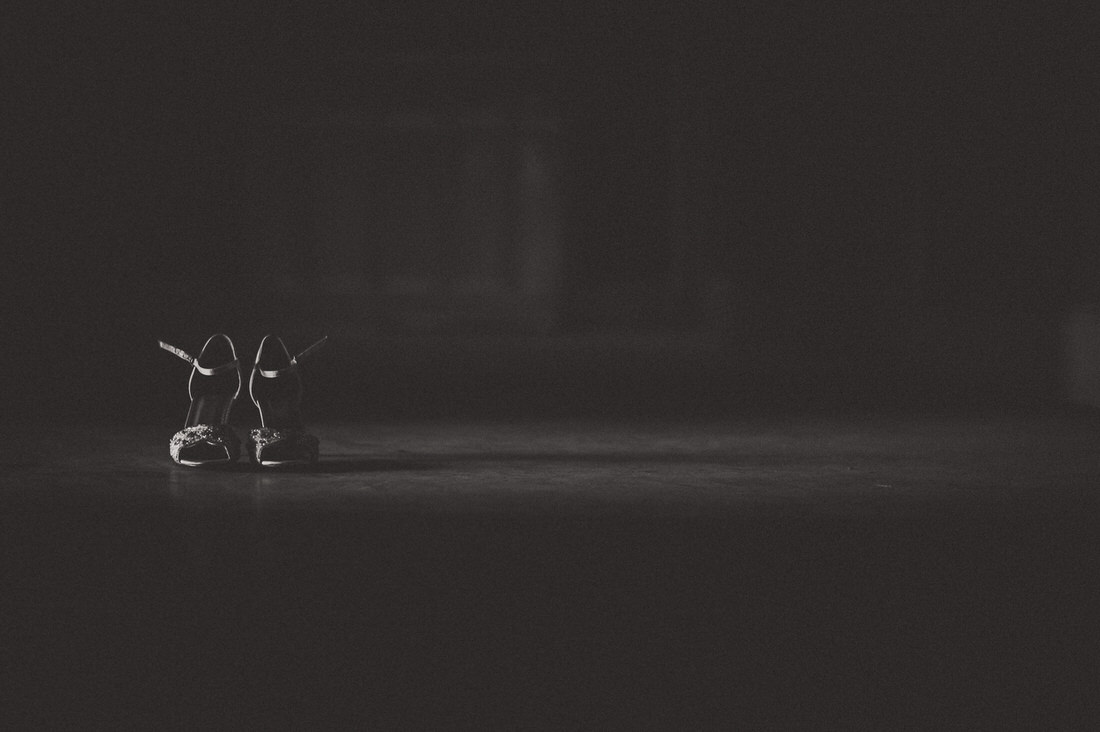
<point x="221" y="435"/>
<point x="297" y="444"/>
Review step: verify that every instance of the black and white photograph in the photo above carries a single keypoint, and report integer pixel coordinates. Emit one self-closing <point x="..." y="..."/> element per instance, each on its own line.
<point x="550" y="366"/>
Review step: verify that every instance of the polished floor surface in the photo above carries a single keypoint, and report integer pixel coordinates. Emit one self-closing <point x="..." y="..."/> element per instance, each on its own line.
<point x="817" y="573"/>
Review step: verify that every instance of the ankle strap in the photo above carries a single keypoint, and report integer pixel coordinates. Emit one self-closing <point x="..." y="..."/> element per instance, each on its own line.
<point x="195" y="362"/>
<point x="293" y="361"/>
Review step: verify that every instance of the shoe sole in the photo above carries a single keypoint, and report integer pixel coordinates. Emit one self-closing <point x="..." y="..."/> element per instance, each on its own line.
<point x="205" y="463"/>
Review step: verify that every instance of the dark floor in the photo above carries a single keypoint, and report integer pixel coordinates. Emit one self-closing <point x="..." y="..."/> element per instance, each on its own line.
<point x="874" y="573"/>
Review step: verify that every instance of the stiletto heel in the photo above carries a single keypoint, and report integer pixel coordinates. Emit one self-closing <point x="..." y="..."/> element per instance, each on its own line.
<point x="276" y="389"/>
<point x="206" y="439"/>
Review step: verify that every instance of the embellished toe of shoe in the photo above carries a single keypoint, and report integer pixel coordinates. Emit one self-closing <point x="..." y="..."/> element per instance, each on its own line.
<point x="270" y="447"/>
<point x="205" y="445"/>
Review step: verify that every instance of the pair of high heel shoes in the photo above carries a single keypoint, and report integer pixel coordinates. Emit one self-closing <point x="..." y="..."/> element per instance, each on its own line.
<point x="275" y="386"/>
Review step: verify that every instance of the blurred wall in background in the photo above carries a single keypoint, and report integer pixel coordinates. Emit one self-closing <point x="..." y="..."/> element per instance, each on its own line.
<point x="418" y="220"/>
<point x="579" y="211"/>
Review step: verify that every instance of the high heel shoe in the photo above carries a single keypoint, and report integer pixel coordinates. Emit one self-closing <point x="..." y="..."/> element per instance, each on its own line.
<point x="206" y="439"/>
<point x="276" y="389"/>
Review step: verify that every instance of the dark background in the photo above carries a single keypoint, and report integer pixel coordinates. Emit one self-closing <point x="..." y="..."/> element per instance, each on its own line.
<point x="565" y="211"/>
<point x="559" y="210"/>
